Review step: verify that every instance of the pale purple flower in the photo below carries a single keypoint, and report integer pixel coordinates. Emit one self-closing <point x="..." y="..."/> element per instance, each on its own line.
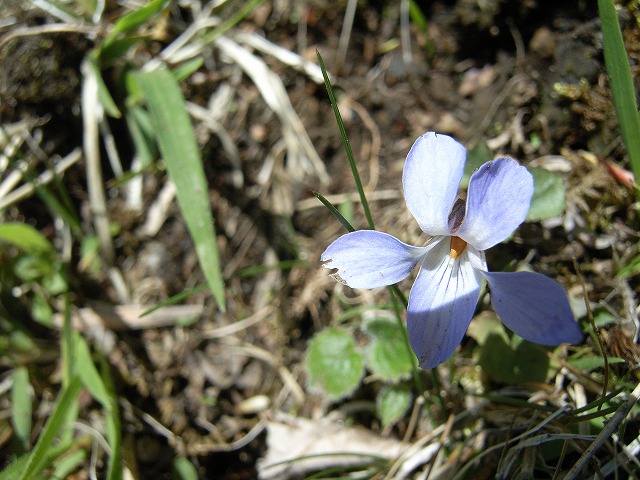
<point x="452" y="263"/>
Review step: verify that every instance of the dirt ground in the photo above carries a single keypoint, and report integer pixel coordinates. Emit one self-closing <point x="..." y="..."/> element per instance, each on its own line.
<point x="521" y="78"/>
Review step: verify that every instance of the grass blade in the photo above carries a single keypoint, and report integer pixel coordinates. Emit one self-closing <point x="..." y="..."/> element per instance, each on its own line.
<point x="21" y="408"/>
<point x="180" y="152"/>
<point x="343" y="221"/>
<point x="134" y="19"/>
<point x="38" y="457"/>
<point x="624" y="98"/>
<point x="25" y="237"/>
<point x="113" y="425"/>
<point x="345" y="142"/>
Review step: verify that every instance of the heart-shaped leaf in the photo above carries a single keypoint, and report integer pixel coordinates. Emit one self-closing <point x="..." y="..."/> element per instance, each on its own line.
<point x="548" y="195"/>
<point x="513" y="362"/>
<point x="333" y="363"/>
<point x="392" y="404"/>
<point x="387" y="354"/>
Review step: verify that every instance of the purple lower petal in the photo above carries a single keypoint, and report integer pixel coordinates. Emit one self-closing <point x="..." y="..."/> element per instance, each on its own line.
<point x="370" y="259"/>
<point x="441" y="304"/>
<point x="534" y="306"/>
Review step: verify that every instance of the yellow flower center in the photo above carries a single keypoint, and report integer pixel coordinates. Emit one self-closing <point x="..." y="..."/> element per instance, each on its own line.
<point x="456" y="247"/>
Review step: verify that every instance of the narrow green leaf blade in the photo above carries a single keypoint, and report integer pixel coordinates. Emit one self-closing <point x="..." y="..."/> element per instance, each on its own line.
<point x="179" y="149"/>
<point x="88" y="373"/>
<point x="55" y="423"/>
<point x="106" y="100"/>
<point x="69" y="463"/>
<point x="21" y="408"/>
<point x="25" y="237"/>
<point x="586" y="364"/>
<point x="113" y="425"/>
<point x="624" y="98"/>
<point x="187" y="68"/>
<point x="336" y="213"/>
<point x="134" y="19"/>
<point x="345" y="142"/>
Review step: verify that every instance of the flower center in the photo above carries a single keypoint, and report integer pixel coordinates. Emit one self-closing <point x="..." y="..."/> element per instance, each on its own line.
<point x="456" y="247"/>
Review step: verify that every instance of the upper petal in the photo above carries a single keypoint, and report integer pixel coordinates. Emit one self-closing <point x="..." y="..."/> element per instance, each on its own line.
<point x="369" y="259"/>
<point x="534" y="306"/>
<point x="431" y="178"/>
<point x="498" y="200"/>
<point x="441" y="304"/>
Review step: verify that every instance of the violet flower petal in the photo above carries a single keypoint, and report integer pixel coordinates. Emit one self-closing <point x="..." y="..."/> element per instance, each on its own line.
<point x="431" y="178"/>
<point x="534" y="306"/>
<point x="441" y="304"/>
<point x="370" y="259"/>
<point x="498" y="200"/>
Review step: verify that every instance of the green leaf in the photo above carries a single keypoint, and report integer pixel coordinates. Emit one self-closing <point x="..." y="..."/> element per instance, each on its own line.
<point x="392" y="403"/>
<point x="185" y="69"/>
<point x="56" y="282"/>
<point x="117" y="49"/>
<point x="68" y="463"/>
<point x="106" y="100"/>
<point x="55" y="423"/>
<point x="26" y="238"/>
<point x="485" y="325"/>
<point x="112" y="423"/>
<point x="514" y="362"/>
<point x="88" y="373"/>
<point x="386" y="355"/>
<point x="632" y="267"/>
<point x="622" y="90"/>
<point x="476" y="156"/>
<point x="586" y="364"/>
<point x="21" y="408"/>
<point x="103" y="392"/>
<point x="548" y="195"/>
<point x="336" y="213"/>
<point x="134" y="19"/>
<point x="41" y="311"/>
<point x="333" y="363"/>
<point x="183" y="469"/>
<point x="31" y="268"/>
<point x="141" y="131"/>
<point x="179" y="149"/>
